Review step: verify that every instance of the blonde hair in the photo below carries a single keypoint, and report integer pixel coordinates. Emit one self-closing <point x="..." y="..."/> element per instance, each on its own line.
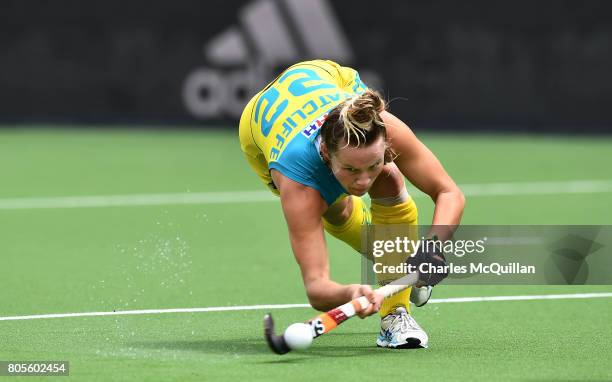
<point x="356" y="121"/>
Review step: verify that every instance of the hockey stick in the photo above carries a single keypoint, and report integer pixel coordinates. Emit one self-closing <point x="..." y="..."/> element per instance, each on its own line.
<point x="326" y="322"/>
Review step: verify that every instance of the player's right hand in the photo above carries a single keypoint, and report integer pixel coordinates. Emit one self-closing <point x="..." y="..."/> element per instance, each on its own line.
<point x="374" y="298"/>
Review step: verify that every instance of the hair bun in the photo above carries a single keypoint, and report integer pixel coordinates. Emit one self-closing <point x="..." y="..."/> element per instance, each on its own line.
<point x="360" y="113"/>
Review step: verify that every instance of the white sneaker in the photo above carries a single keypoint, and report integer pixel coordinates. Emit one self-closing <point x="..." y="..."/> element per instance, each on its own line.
<point x="399" y="330"/>
<point x="420" y="296"/>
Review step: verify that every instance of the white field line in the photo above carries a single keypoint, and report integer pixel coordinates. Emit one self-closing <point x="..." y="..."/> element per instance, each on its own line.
<point x="470" y="190"/>
<point x="534" y="188"/>
<point x="290" y="306"/>
<point x="137" y="200"/>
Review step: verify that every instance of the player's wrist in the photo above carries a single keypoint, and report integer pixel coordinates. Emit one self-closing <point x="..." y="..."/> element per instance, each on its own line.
<point x="352" y="291"/>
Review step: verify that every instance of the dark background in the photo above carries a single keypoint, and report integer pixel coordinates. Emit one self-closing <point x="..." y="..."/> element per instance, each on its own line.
<point x="536" y="66"/>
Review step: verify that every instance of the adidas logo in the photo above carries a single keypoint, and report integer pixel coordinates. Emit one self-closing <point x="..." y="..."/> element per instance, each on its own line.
<point x="271" y="34"/>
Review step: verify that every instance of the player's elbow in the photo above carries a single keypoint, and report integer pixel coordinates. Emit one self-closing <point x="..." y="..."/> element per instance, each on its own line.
<point x="317" y="299"/>
<point x="318" y="305"/>
<point x="460" y="198"/>
<point x="321" y="306"/>
<point x="454" y="195"/>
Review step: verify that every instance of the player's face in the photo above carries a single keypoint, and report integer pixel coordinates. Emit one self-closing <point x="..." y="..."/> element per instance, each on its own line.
<point x="356" y="168"/>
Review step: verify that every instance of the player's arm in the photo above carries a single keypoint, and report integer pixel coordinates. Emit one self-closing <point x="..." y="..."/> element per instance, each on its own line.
<point x="303" y="208"/>
<point x="421" y="167"/>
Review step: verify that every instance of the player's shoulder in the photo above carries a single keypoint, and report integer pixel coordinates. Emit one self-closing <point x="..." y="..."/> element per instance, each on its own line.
<point x="299" y="156"/>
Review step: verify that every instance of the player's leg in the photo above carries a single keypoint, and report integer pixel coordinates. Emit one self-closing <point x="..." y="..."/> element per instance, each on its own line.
<point x="345" y="218"/>
<point x="392" y="205"/>
<point x="251" y="150"/>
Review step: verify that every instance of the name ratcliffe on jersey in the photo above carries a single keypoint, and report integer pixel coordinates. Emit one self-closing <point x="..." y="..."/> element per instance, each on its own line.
<point x="279" y="128"/>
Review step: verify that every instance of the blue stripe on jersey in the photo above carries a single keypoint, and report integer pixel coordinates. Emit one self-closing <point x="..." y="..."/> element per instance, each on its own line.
<point x="300" y="161"/>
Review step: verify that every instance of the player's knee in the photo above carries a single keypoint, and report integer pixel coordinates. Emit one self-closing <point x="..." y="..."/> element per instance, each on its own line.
<point x="340" y="212"/>
<point x="389" y="183"/>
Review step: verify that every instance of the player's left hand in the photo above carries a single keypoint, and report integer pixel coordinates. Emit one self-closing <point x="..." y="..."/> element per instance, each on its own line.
<point x="435" y="262"/>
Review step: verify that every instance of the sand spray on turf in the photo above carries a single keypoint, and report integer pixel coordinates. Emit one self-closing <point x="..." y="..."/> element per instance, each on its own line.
<point x="158" y="264"/>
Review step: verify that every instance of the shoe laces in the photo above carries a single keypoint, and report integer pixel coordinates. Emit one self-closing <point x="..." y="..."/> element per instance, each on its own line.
<point x="405" y="320"/>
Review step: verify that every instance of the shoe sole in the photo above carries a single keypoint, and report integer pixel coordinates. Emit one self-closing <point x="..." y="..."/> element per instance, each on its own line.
<point x="411" y="343"/>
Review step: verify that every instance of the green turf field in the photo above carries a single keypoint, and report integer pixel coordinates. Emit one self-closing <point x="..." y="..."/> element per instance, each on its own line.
<point x="132" y="257"/>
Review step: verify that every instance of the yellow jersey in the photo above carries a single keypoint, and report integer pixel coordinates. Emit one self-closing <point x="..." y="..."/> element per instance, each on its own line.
<point x="279" y="127"/>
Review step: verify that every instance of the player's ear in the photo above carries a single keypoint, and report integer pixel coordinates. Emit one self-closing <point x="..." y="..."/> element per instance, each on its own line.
<point x="324" y="152"/>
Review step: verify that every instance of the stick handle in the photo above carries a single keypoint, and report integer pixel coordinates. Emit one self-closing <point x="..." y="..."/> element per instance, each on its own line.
<point x="326" y="322"/>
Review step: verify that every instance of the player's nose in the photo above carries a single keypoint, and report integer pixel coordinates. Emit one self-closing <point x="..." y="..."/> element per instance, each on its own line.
<point x="363" y="181"/>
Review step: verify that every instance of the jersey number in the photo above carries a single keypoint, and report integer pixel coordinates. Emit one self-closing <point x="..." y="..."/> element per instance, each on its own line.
<point x="296" y="88"/>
